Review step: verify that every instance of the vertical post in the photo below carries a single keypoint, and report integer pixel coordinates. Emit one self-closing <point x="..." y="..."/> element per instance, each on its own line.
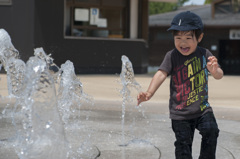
<point x="213" y="9"/>
<point x="133" y="19"/>
<point x="144" y="17"/>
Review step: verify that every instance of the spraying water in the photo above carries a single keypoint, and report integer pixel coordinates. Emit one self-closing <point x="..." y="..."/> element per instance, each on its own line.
<point x="129" y="84"/>
<point x="14" y="67"/>
<point x="42" y="134"/>
<point x="41" y="131"/>
<point x="127" y="78"/>
<point x="128" y="81"/>
<point x="70" y="99"/>
<point x="44" y="106"/>
<point x="53" y="69"/>
<point x="70" y="92"/>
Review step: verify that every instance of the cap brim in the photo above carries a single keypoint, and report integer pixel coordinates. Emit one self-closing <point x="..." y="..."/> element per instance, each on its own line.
<point x="182" y="28"/>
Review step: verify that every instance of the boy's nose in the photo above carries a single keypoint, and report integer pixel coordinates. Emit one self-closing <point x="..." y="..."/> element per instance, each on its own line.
<point x="183" y="43"/>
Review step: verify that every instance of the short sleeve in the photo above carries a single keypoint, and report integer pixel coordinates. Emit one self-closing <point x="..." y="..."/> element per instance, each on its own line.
<point x="166" y="64"/>
<point x="208" y="53"/>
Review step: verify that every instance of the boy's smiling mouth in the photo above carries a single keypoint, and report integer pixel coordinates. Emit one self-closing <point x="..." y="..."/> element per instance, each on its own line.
<point x="185" y="50"/>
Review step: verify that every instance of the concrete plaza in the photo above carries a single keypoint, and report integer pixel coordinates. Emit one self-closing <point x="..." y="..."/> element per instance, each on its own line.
<point x="147" y="129"/>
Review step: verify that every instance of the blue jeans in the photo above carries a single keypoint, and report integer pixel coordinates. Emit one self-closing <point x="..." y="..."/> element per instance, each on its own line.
<point x="184" y="133"/>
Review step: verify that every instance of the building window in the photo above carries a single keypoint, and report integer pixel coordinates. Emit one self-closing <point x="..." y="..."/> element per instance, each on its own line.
<point x="5" y="2"/>
<point x="236" y="6"/>
<point x="96" y="18"/>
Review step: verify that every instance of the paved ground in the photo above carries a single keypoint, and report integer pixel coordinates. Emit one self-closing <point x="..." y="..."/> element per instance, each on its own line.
<point x="147" y="130"/>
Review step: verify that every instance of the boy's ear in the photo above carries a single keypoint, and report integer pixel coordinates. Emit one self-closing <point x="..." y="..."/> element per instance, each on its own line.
<point x="200" y="37"/>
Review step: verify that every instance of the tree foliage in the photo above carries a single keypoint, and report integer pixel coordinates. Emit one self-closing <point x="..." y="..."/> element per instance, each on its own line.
<point x="181" y="2"/>
<point x="162" y="7"/>
<point x="208" y="1"/>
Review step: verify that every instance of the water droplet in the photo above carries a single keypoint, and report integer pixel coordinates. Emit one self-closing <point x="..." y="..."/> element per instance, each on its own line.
<point x="47" y="126"/>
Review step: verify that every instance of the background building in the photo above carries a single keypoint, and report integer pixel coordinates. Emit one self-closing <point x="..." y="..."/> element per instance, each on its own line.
<point x="221" y="33"/>
<point x="93" y="34"/>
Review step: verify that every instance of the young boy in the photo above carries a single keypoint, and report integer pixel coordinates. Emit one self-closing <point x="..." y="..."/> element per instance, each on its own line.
<point x="188" y="65"/>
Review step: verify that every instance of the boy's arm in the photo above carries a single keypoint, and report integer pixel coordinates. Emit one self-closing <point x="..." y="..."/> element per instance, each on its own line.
<point x="156" y="82"/>
<point x="214" y="68"/>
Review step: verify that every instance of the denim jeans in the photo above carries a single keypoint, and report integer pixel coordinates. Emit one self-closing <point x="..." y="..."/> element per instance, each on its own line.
<point x="184" y="133"/>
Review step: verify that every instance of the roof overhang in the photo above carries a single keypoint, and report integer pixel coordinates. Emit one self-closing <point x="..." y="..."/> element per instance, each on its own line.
<point x="171" y="1"/>
<point x="220" y="20"/>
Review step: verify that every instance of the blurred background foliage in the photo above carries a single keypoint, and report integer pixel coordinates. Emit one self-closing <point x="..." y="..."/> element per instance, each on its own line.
<point x="162" y="7"/>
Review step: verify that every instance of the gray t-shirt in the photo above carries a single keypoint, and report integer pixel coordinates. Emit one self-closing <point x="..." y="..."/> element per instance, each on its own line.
<point x="189" y="83"/>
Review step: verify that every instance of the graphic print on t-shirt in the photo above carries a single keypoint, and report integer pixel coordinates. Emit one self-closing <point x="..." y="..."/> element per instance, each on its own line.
<point x="190" y="80"/>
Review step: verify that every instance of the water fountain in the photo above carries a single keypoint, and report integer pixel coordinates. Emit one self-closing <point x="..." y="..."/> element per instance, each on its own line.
<point x="128" y="81"/>
<point x="42" y="111"/>
<point x="40" y="130"/>
<point x="129" y="84"/>
<point x="70" y="98"/>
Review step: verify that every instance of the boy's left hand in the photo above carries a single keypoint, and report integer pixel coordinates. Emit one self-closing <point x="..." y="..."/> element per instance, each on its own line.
<point x="212" y="64"/>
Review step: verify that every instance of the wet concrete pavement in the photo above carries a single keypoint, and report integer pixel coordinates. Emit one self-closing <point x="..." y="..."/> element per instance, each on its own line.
<point x="147" y="130"/>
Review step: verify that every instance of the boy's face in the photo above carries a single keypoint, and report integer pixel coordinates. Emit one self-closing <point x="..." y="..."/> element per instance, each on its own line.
<point x="186" y="42"/>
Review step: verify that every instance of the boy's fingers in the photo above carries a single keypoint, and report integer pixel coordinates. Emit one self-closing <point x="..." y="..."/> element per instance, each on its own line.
<point x="139" y="101"/>
<point x="212" y="64"/>
<point x="212" y="59"/>
<point x="140" y="98"/>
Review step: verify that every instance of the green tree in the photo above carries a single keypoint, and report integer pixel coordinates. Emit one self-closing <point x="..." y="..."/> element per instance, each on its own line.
<point x="162" y="7"/>
<point x="181" y="2"/>
<point x="208" y="1"/>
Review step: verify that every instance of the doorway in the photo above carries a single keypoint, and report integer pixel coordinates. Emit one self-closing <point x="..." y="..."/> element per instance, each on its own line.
<point x="229" y="56"/>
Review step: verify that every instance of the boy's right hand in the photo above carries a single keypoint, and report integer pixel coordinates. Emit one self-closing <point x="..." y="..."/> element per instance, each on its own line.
<point x="144" y="96"/>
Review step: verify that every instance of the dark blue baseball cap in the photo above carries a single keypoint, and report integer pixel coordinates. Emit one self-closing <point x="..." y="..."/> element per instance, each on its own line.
<point x="186" y="21"/>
